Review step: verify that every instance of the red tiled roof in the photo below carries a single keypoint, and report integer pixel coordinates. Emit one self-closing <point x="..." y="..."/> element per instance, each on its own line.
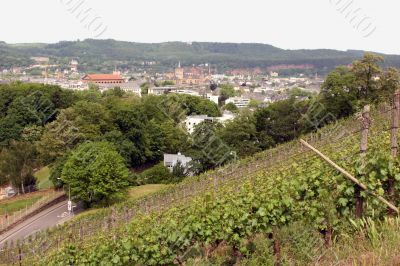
<point x="102" y="77"/>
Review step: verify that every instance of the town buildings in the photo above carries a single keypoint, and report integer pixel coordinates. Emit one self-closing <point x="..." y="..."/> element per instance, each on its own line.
<point x="190" y="75"/>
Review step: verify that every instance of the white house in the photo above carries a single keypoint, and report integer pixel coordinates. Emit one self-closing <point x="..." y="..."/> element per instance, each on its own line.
<point x="213" y="98"/>
<point x="170" y="160"/>
<point x="162" y="90"/>
<point x="238" y="101"/>
<point x="187" y="92"/>
<point x="192" y="121"/>
<point x="133" y="87"/>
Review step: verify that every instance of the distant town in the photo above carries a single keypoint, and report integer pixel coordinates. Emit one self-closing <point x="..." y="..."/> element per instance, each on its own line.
<point x="251" y="86"/>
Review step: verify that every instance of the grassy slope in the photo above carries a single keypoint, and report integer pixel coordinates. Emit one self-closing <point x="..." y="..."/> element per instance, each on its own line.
<point x="19" y="203"/>
<point x="142" y="191"/>
<point x="134" y="193"/>
<point x="43" y="181"/>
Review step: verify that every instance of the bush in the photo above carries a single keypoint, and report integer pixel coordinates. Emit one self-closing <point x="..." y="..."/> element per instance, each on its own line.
<point x="158" y="174"/>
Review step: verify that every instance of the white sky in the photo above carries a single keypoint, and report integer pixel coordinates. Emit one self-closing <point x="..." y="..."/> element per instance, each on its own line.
<point x="290" y="24"/>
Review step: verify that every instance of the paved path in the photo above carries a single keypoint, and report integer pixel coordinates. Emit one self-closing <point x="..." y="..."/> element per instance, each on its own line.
<point x="50" y="217"/>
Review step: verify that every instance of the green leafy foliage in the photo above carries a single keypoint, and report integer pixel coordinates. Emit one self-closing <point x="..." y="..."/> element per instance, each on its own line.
<point x="95" y="173"/>
<point x="158" y="174"/>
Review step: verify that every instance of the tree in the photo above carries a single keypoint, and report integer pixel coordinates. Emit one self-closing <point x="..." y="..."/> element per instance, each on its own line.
<point x="390" y="82"/>
<point x="85" y="121"/>
<point x="94" y="87"/>
<point x="158" y="174"/>
<point x="231" y="107"/>
<point x="254" y="103"/>
<point x="213" y="86"/>
<point x="144" y="87"/>
<point x="240" y="134"/>
<point x="32" y="133"/>
<point x="227" y="90"/>
<point x="56" y="171"/>
<point x="17" y="163"/>
<point x="280" y="120"/>
<point x="116" y="91"/>
<point x="338" y="96"/>
<point x="96" y="173"/>
<point x="176" y="139"/>
<point x="164" y="83"/>
<point x="179" y="171"/>
<point x="194" y="105"/>
<point x="207" y="149"/>
<point x="367" y="73"/>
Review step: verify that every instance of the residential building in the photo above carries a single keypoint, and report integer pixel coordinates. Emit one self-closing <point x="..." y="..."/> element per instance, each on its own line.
<point x="188" y="92"/>
<point x="213" y="98"/>
<point x="170" y="160"/>
<point x="192" y="121"/>
<point x="74" y="66"/>
<point x="127" y="87"/>
<point x="162" y="90"/>
<point x="238" y="101"/>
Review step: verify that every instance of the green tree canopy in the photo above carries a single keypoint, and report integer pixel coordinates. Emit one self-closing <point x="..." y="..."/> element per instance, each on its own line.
<point x="96" y="173"/>
<point x="17" y="162"/>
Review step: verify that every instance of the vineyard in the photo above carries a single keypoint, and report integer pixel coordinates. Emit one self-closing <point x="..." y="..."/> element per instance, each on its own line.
<point x="230" y="206"/>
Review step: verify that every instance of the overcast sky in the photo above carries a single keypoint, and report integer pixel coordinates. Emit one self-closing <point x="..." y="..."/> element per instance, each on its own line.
<point x="291" y="24"/>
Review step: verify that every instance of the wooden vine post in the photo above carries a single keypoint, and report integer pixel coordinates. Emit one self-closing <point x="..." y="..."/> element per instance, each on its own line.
<point x="365" y="124"/>
<point x="393" y="142"/>
<point x="351" y="177"/>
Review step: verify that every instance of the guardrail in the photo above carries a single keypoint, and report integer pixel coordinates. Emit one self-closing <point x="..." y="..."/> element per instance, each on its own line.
<point x="8" y="220"/>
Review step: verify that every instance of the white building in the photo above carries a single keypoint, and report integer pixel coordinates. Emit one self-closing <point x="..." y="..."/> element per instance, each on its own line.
<point x="274" y="74"/>
<point x="133" y="87"/>
<point x="192" y="121"/>
<point x="188" y="92"/>
<point x="213" y="98"/>
<point x="74" y="66"/>
<point x="162" y="90"/>
<point x="170" y="160"/>
<point x="238" y="101"/>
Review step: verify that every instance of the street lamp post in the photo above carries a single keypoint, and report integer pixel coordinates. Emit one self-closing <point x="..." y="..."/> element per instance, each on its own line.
<point x="69" y="204"/>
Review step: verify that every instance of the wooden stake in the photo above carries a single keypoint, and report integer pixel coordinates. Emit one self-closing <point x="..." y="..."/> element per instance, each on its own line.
<point x="365" y="124"/>
<point x="393" y="143"/>
<point x="348" y="175"/>
<point x="395" y="124"/>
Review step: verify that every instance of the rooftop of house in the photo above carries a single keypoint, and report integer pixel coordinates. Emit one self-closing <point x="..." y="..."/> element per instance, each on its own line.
<point x="176" y="157"/>
<point x="102" y="77"/>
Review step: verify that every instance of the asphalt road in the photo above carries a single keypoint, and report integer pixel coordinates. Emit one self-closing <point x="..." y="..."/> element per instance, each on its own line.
<point x="56" y="214"/>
